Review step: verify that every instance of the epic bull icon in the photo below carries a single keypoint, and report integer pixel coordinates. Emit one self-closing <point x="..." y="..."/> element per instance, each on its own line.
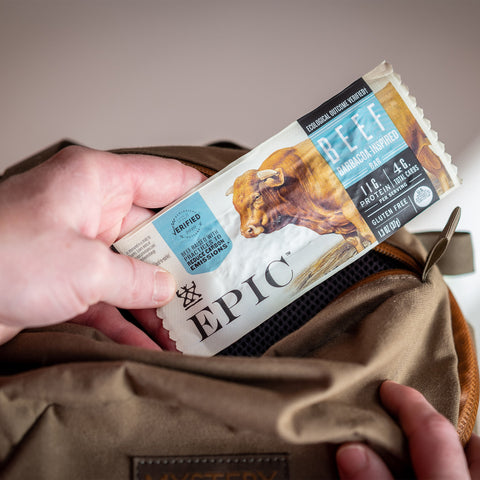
<point x="295" y="185"/>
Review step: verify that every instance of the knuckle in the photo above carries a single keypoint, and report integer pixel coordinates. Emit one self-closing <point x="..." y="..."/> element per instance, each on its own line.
<point x="72" y="152"/>
<point x="77" y="158"/>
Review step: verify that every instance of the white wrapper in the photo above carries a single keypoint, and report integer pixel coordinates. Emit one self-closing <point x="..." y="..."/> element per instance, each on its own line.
<point x="294" y="211"/>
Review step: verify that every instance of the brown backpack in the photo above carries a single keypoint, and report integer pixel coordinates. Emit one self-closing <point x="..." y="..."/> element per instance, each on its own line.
<point x="276" y="405"/>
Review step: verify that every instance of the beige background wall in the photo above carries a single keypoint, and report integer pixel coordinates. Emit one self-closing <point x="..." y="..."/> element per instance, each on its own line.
<point x="119" y="73"/>
<point x="113" y="73"/>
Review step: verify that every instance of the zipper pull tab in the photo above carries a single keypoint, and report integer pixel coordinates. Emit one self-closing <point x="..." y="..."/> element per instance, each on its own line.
<point x="441" y="245"/>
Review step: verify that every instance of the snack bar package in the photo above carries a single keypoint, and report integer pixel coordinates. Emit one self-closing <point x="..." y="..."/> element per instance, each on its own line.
<point x="293" y="211"/>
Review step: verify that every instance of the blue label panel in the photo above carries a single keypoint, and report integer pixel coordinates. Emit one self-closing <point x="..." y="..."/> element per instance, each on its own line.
<point x="358" y="140"/>
<point x="194" y="235"/>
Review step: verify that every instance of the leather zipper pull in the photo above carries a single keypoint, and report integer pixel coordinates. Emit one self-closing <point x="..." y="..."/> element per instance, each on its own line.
<point x="442" y="243"/>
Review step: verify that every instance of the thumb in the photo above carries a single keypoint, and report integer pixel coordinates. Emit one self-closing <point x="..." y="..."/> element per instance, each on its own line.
<point x="124" y="281"/>
<point x="357" y="462"/>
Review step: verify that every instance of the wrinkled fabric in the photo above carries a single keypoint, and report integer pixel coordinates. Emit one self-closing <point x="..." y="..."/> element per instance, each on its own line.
<point x="73" y="404"/>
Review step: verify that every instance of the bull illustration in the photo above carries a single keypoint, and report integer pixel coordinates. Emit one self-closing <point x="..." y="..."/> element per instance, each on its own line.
<point x="295" y="185"/>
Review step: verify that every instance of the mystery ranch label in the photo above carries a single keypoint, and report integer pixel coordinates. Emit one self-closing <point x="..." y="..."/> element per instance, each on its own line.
<point x="212" y="467"/>
<point x="293" y="211"/>
<point x="370" y="157"/>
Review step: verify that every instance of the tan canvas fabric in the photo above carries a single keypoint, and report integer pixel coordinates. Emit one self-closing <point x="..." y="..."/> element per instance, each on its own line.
<point x="75" y="405"/>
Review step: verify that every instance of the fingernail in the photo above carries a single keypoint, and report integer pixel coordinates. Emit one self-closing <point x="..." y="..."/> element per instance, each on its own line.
<point x="163" y="286"/>
<point x="352" y="459"/>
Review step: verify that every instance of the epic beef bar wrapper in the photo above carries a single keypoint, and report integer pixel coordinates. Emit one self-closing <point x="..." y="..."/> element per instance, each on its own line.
<point x="294" y="211"/>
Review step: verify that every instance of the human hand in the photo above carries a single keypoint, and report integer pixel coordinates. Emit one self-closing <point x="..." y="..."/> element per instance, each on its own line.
<point x="435" y="449"/>
<point x="57" y="222"/>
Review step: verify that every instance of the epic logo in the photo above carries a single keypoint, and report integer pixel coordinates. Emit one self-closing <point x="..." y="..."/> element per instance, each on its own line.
<point x="277" y="274"/>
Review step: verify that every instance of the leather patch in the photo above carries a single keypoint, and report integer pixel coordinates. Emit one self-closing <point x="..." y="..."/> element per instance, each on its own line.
<point x="212" y="467"/>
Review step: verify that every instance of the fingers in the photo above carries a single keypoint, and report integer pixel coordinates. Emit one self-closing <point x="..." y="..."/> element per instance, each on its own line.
<point x="97" y="274"/>
<point x="78" y="203"/>
<point x="130" y="283"/>
<point x="157" y="181"/>
<point x="93" y="191"/>
<point x="435" y="449"/>
<point x="358" y="462"/>
<point x="150" y="181"/>
<point x="149" y="320"/>
<point x="473" y="456"/>
<point x="133" y="218"/>
<point x="143" y="180"/>
<point x="434" y="445"/>
<point x="7" y="333"/>
<point x="109" y="321"/>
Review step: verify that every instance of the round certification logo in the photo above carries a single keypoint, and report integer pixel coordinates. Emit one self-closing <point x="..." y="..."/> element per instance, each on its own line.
<point x="423" y="196"/>
<point x="186" y="223"/>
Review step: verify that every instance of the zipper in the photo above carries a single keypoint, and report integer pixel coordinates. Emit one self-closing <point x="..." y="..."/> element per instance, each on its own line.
<point x="399" y="255"/>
